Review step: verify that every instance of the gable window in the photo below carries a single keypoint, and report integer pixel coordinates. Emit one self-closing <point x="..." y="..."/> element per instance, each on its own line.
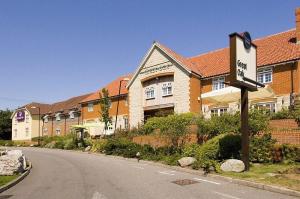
<point x="150" y="94"/>
<point x="218" y="83"/>
<point x="90" y="107"/>
<point x="72" y="115"/>
<point x="57" y="116"/>
<point x="218" y="111"/>
<point x="264" y="76"/>
<point x="167" y="89"/>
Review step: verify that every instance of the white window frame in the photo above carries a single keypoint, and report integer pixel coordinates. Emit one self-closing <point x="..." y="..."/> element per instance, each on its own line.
<point x="57" y="116"/>
<point x="265" y="75"/>
<point x="90" y="107"/>
<point x="126" y="123"/>
<point x="71" y="114"/>
<point x="27" y="131"/>
<point x="167" y="89"/>
<point x="272" y="105"/>
<point x="150" y="92"/>
<point x="27" y="118"/>
<point x="218" y="111"/>
<point x="218" y="83"/>
<point x="46" y="119"/>
<point x="57" y="131"/>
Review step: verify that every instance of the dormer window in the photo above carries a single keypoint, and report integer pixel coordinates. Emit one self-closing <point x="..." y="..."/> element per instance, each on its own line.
<point x="150" y="94"/>
<point x="218" y="83"/>
<point x="72" y="114"/>
<point x="57" y="116"/>
<point x="166" y="89"/>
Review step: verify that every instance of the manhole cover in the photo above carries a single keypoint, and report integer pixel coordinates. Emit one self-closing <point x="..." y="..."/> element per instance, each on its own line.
<point x="185" y="182"/>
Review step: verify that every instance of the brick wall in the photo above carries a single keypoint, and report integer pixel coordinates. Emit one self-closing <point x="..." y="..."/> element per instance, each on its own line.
<point x="286" y="136"/>
<point x="283" y="124"/>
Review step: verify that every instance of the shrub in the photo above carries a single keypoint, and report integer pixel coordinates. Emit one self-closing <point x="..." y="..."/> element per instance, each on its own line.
<point x="258" y="121"/>
<point x="70" y="144"/>
<point x="6" y="143"/>
<point x="283" y="114"/>
<point x="190" y="150"/>
<point x="230" y="146"/>
<point x="261" y="148"/>
<point x="226" y="123"/>
<point x="291" y="153"/>
<point x="122" y="147"/>
<point x="98" y="145"/>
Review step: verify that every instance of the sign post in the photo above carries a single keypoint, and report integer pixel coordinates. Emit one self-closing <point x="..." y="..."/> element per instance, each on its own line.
<point x="243" y="76"/>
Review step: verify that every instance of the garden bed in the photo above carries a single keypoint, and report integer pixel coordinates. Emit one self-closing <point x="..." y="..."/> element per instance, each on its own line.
<point x="285" y="175"/>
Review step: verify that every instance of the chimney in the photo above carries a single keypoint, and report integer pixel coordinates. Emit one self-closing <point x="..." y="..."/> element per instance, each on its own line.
<point x="297" y="14"/>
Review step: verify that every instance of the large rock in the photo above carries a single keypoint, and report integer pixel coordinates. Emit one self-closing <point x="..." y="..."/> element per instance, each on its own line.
<point x="186" y="161"/>
<point x="233" y="165"/>
<point x="13" y="162"/>
<point x="88" y="148"/>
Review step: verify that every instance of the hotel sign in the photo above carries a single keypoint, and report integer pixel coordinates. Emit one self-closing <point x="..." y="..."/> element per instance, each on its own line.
<point x="20" y="116"/>
<point x="154" y="69"/>
<point x="242" y="61"/>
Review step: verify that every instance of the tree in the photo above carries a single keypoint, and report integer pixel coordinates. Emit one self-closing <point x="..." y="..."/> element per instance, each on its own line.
<point x="5" y="124"/>
<point x="105" y="105"/>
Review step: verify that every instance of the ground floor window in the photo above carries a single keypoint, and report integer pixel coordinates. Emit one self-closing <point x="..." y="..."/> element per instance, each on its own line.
<point x="126" y="125"/>
<point x="57" y="131"/>
<point x="268" y="107"/>
<point x="27" y="132"/>
<point x="218" y="111"/>
<point x="15" y="133"/>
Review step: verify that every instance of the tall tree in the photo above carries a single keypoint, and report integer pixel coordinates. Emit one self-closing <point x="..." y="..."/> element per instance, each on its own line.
<point x="105" y="105"/>
<point x="5" y="124"/>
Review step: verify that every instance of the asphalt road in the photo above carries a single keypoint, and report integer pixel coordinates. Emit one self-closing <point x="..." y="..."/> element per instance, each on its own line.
<point x="73" y="175"/>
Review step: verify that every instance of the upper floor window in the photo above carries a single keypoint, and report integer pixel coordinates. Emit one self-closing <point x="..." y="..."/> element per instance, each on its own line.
<point x="90" y="107"/>
<point x="167" y="89"/>
<point x="46" y="118"/>
<point x="150" y="94"/>
<point x="72" y="115"/>
<point x="218" y="83"/>
<point x="264" y="75"/>
<point x="57" y="116"/>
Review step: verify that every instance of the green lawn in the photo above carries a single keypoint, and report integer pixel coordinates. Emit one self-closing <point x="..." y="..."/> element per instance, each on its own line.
<point x="285" y="175"/>
<point x="6" y="179"/>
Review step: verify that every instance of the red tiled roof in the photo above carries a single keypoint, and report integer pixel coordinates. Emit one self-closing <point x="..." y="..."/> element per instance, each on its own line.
<point x="272" y="49"/>
<point x="64" y="106"/>
<point x="112" y="87"/>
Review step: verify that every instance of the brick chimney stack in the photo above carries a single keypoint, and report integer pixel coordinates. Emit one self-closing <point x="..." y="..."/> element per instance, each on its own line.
<point x="297" y="13"/>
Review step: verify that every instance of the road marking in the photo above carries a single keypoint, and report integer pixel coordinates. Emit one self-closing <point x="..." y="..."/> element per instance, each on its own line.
<point x="198" y="179"/>
<point x="171" y="173"/>
<point x="226" y="195"/>
<point x="98" y="195"/>
<point x="137" y="167"/>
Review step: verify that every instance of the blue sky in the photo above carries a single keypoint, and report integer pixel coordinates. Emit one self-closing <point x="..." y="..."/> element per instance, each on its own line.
<point x="54" y="50"/>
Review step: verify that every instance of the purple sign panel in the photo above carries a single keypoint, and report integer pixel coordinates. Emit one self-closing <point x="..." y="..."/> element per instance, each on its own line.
<point x="20" y="116"/>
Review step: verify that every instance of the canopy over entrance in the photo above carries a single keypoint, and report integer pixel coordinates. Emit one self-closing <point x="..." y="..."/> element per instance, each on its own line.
<point x="233" y="94"/>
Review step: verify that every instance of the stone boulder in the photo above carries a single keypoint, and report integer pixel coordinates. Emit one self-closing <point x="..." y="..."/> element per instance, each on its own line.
<point x="233" y="165"/>
<point x="186" y="161"/>
<point x="13" y="162"/>
<point x="88" y="148"/>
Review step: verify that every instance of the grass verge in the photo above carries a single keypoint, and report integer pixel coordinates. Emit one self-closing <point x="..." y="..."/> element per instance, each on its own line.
<point x="284" y="175"/>
<point x="6" y="179"/>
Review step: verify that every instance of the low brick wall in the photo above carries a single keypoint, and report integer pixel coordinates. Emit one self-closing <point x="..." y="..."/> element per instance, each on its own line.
<point x="286" y="136"/>
<point x="283" y="124"/>
<point x="158" y="141"/>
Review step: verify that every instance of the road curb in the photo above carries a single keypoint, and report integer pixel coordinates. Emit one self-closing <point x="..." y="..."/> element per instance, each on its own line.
<point x="17" y="180"/>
